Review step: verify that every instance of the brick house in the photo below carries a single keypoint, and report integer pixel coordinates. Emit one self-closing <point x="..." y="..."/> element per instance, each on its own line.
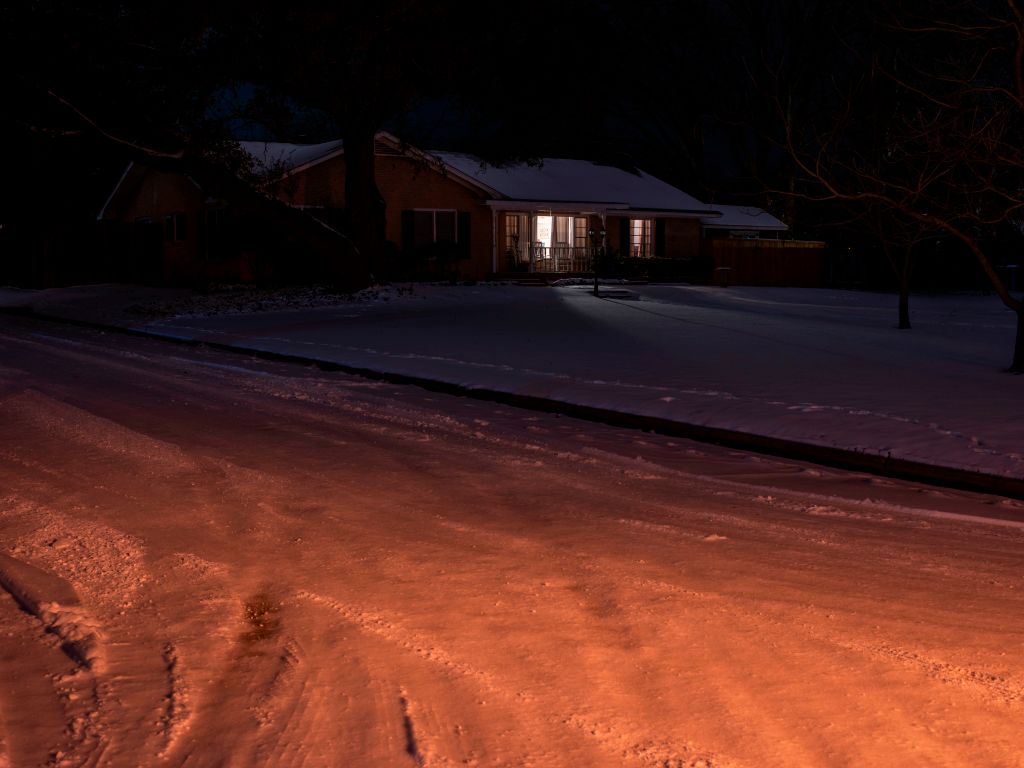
<point x="447" y="214"/>
<point x="203" y="224"/>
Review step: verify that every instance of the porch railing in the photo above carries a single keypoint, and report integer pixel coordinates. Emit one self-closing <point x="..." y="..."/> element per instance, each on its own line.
<point x="553" y="258"/>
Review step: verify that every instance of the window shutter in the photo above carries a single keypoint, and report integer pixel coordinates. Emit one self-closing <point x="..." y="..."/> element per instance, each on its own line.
<point x="659" y="238"/>
<point x="625" y="239"/>
<point x="465" y="218"/>
<point x="442" y="226"/>
<point x="204" y="246"/>
<point x="408" y="230"/>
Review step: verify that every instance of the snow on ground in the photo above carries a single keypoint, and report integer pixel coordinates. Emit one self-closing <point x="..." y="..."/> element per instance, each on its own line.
<point x="826" y="367"/>
<point x="211" y="560"/>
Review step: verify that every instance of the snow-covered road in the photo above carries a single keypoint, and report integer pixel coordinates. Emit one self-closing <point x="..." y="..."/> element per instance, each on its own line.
<point x="208" y="560"/>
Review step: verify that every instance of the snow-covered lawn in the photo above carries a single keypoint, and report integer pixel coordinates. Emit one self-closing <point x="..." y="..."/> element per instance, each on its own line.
<point x="826" y="367"/>
<point x="822" y="366"/>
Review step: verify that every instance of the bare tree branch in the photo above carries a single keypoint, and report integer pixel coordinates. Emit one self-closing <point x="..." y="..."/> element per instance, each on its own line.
<point x="135" y="147"/>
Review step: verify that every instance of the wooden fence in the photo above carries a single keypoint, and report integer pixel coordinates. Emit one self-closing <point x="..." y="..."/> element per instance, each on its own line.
<point x="764" y="262"/>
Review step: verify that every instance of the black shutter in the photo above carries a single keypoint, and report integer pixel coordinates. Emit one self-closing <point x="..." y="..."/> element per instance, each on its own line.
<point x="465" y="218"/>
<point x="408" y="230"/>
<point x="659" y="238"/>
<point x="625" y="240"/>
<point x="203" y="246"/>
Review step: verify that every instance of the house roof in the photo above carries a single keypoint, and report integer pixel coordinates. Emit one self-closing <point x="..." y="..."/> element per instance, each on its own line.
<point x="574" y="181"/>
<point x="279" y="157"/>
<point x="560" y="184"/>
<point x="742" y="217"/>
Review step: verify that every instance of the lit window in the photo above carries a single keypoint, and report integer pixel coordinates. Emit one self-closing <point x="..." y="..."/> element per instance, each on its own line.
<point x="564" y="234"/>
<point x="641" y="237"/>
<point x="512" y="231"/>
<point x="562" y="231"/>
<point x="580" y="233"/>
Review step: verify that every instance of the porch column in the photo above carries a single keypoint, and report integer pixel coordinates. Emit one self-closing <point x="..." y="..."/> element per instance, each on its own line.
<point x="599" y="256"/>
<point x="494" y="240"/>
<point x="533" y="238"/>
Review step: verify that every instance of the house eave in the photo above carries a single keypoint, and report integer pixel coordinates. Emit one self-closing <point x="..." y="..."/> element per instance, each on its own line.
<point x="591" y="206"/>
<point x="407" y="151"/>
<point x="311" y="164"/>
<point x="750" y="227"/>
<point x="464" y="178"/>
<point x="574" y="206"/>
<point x="114" y="191"/>
<point x="661" y="213"/>
<point x="383" y="136"/>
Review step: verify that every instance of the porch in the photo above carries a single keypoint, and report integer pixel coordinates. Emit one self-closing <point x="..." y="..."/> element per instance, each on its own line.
<point x="526" y="257"/>
<point x="546" y="241"/>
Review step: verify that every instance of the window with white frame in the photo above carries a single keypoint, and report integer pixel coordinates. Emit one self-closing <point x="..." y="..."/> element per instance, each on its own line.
<point x="435" y="226"/>
<point x="641" y="237"/>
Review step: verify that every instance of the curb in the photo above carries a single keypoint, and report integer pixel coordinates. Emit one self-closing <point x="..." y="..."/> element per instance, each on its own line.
<point x="837" y="458"/>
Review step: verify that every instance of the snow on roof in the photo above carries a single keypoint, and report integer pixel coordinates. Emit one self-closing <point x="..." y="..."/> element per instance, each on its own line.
<point x="553" y="180"/>
<point x="742" y="217"/>
<point x="286" y="158"/>
<point x="557" y="180"/>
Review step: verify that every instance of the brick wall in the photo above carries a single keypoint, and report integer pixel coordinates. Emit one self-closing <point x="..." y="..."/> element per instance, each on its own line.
<point x="682" y="239"/>
<point x="405" y="183"/>
<point x="146" y="193"/>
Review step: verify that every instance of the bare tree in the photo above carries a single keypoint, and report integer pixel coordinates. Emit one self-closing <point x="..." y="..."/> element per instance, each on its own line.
<point x="899" y="237"/>
<point x="951" y="156"/>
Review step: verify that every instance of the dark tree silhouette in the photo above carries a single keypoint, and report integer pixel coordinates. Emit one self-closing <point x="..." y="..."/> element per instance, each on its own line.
<point x="923" y="118"/>
<point x="365" y="66"/>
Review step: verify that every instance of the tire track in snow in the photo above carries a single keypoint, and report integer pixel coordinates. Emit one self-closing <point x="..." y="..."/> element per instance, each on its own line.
<point x="995" y="687"/>
<point x="761" y="618"/>
<point x="411" y="746"/>
<point x="55" y="606"/>
<point x="611" y="733"/>
<point x="388" y="629"/>
<point x="176" y="715"/>
<point x="988" y="686"/>
<point x="36" y="412"/>
<point x="301" y="700"/>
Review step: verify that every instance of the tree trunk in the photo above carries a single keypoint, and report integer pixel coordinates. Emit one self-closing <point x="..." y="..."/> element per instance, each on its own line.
<point x="905" y="292"/>
<point x="902" y="272"/>
<point x="1010" y="301"/>
<point x="1017" y="366"/>
<point x="364" y="204"/>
